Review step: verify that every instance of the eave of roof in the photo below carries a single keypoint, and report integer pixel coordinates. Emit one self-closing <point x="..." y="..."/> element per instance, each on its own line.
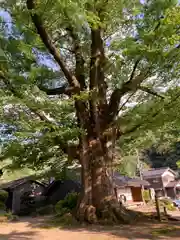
<point x="157" y="172"/>
<point x="16" y="183"/>
<point x="172" y="184"/>
<point x="130" y="182"/>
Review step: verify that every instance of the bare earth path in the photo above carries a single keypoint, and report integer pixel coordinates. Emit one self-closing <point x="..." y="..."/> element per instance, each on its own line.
<point x="31" y="229"/>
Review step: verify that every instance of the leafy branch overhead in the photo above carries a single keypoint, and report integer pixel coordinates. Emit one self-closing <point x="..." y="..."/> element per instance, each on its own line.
<point x="139" y="56"/>
<point x="78" y="75"/>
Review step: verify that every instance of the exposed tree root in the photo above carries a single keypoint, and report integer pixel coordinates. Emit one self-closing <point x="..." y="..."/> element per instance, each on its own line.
<point x="110" y="212"/>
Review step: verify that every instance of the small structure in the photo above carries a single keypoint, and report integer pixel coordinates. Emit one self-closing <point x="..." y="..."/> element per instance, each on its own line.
<point x="130" y="188"/>
<point x="17" y="189"/>
<point x="164" y="182"/>
<point x="173" y="189"/>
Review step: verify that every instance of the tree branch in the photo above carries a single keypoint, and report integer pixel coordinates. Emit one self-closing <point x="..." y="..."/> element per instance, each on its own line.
<point x="80" y="71"/>
<point x="17" y="94"/>
<point x="166" y="106"/>
<point x="134" y="70"/>
<point x="131" y="85"/>
<point x="117" y="94"/>
<point x="150" y="91"/>
<point x="49" y="45"/>
<point x="57" y="91"/>
<point x="71" y="150"/>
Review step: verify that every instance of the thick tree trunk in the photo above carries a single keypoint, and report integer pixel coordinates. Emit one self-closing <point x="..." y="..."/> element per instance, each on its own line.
<point x="98" y="201"/>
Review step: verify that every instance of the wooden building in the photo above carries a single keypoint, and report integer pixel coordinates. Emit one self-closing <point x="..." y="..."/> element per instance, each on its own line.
<point x="26" y="194"/>
<point x="164" y="182"/>
<point x="129" y="188"/>
<point x="17" y="190"/>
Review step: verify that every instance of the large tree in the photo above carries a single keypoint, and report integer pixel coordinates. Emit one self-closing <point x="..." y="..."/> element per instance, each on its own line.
<point x="104" y="53"/>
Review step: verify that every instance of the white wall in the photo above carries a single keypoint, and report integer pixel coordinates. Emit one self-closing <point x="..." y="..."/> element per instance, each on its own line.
<point x="167" y="177"/>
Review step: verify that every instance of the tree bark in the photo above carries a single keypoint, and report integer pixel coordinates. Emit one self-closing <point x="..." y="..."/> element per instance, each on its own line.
<point x="98" y="201"/>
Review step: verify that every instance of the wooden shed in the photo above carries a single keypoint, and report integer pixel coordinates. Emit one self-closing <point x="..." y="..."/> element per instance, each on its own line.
<point x="17" y="189"/>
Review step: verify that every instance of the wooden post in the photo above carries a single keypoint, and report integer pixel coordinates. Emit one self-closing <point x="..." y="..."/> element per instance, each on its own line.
<point x="158" y="208"/>
<point x="165" y="211"/>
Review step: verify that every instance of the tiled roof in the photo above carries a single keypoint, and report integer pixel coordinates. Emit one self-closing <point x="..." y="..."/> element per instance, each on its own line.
<point x="16" y="183"/>
<point x="124" y="181"/>
<point x="156" y="172"/>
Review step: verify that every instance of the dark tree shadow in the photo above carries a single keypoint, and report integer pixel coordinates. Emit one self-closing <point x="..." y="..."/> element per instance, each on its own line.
<point x="17" y="235"/>
<point x="147" y="230"/>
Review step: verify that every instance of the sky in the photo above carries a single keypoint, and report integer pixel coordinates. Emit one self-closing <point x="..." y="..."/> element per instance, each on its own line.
<point x="42" y="59"/>
<point x="6" y="18"/>
<point x="5" y="15"/>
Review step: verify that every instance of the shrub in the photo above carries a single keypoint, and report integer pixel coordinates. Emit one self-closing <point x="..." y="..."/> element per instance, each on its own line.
<point x="68" y="204"/>
<point x="166" y="201"/>
<point x="11" y="217"/>
<point x="2" y="206"/>
<point x="45" y="210"/>
<point x="3" y="196"/>
<point x="170" y="207"/>
<point x="168" y="204"/>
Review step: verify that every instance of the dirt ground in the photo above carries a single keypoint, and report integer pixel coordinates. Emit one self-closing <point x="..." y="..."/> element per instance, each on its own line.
<point x="32" y="229"/>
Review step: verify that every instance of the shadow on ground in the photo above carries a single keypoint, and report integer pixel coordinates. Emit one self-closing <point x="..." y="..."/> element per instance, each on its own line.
<point x="139" y="231"/>
<point x="17" y="235"/>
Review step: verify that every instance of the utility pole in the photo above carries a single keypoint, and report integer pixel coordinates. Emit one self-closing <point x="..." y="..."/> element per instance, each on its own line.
<point x="139" y="166"/>
<point x="158" y="208"/>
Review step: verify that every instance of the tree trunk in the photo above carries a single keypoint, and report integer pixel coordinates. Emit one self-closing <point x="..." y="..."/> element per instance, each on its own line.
<point x="98" y="201"/>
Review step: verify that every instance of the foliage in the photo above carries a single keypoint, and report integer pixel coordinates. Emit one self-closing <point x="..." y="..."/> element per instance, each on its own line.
<point x="160" y="126"/>
<point x="8" y="217"/>
<point x="2" y="206"/>
<point x="146" y="196"/>
<point x="44" y="210"/>
<point x="127" y="166"/>
<point x="11" y="217"/>
<point x="3" y="195"/>
<point x="34" y="68"/>
<point x="68" y="204"/>
<point x="168" y="204"/>
<point x="178" y="164"/>
<point x="163" y="156"/>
